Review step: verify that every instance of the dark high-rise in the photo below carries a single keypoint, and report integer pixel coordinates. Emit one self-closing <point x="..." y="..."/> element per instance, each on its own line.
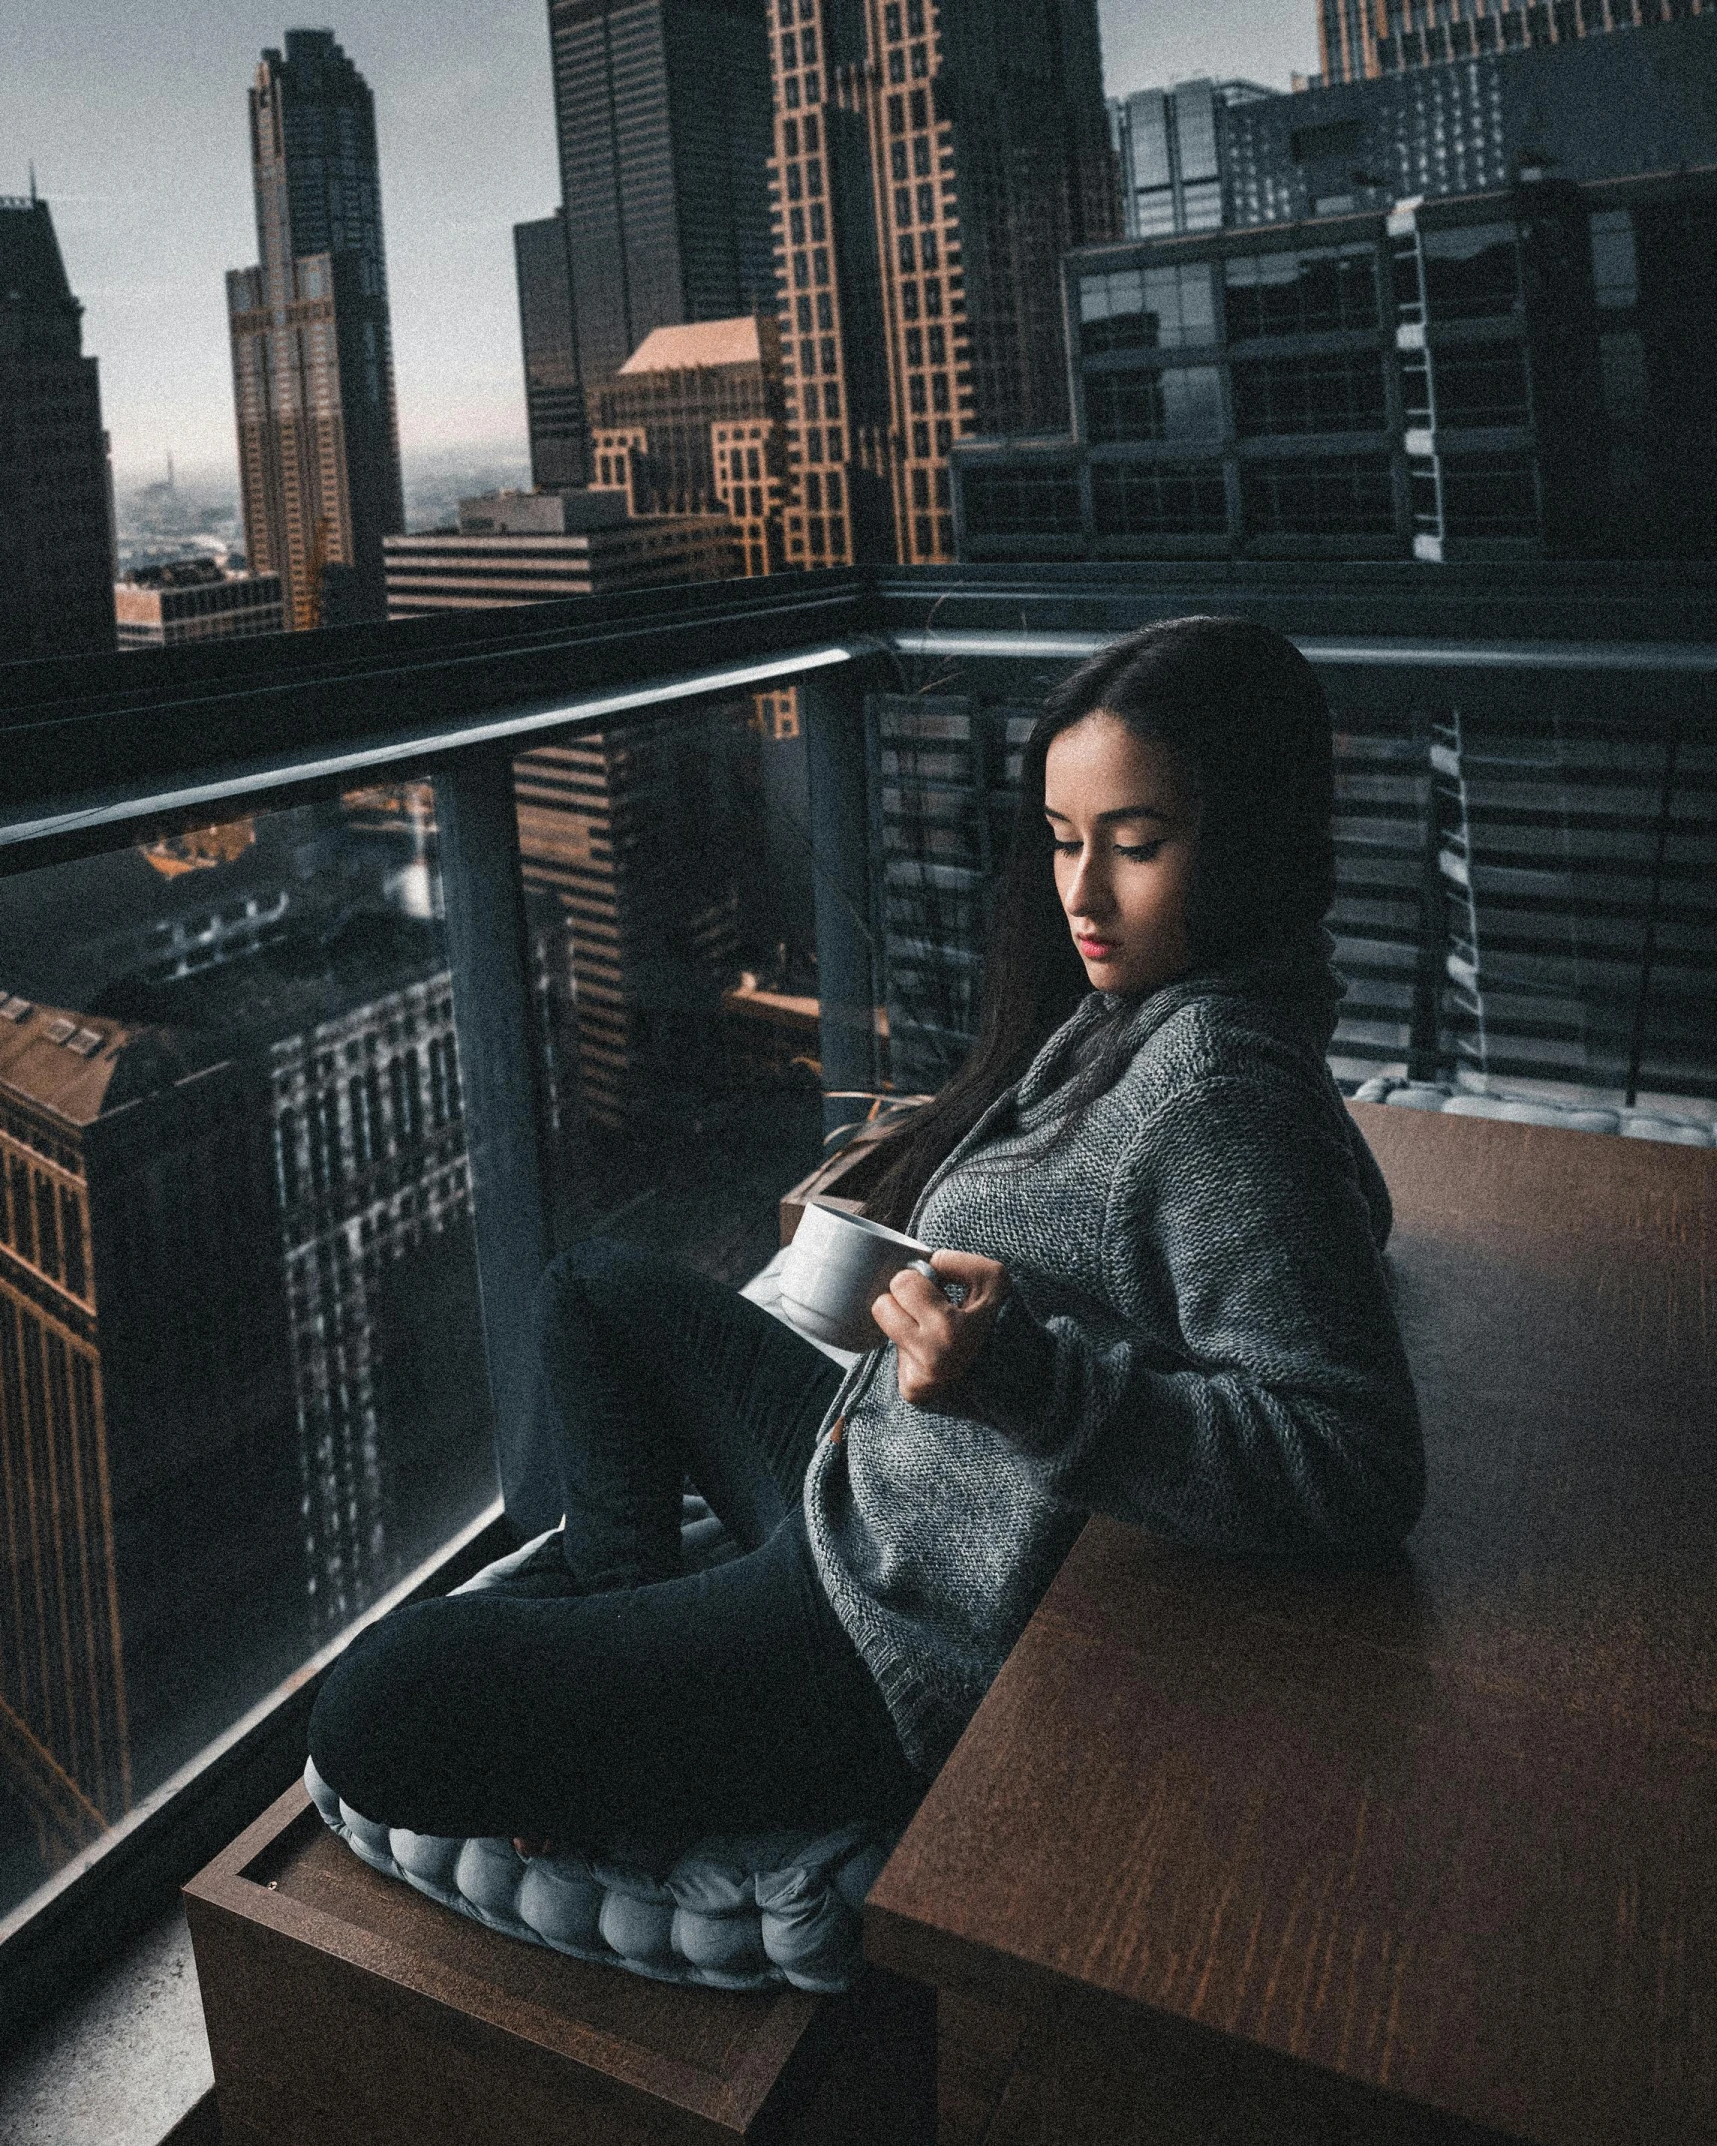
<point x="318" y="432"/>
<point x="554" y="394"/>
<point x="56" y="568"/>
<point x="662" y="108"/>
<point x="933" y="162"/>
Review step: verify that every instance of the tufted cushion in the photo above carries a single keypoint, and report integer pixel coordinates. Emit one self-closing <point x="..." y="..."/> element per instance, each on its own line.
<point x="734" y="1912"/>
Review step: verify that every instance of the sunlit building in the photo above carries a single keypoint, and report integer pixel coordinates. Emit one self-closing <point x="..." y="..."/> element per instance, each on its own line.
<point x="56" y="544"/>
<point x="693" y="424"/>
<point x="318" y="433"/>
<point x="532" y="548"/>
<point x="193" y="600"/>
<point x="927" y="176"/>
<point x="1177" y="157"/>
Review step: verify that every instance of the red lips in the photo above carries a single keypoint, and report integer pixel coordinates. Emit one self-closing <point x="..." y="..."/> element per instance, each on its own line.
<point x="1098" y="949"/>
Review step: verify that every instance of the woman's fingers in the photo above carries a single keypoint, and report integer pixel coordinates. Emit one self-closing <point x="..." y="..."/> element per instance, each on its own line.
<point x="936" y="1339"/>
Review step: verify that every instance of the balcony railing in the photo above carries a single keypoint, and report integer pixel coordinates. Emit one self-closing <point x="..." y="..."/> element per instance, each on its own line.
<point x="387" y="959"/>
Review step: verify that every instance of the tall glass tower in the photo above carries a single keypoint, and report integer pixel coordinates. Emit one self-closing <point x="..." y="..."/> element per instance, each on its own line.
<point x="662" y="108"/>
<point x="318" y="431"/>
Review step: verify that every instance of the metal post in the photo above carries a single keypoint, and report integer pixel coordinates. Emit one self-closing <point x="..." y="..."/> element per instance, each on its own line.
<point x="832" y="707"/>
<point x="486" y="947"/>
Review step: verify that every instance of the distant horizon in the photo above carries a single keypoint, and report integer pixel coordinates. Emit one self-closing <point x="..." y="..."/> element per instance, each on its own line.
<point x="135" y="122"/>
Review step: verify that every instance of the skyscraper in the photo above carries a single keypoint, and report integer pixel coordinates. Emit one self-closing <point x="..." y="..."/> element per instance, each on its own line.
<point x="1174" y="153"/>
<point x="318" y="432"/>
<point x="931" y="165"/>
<point x="554" y="394"/>
<point x="1361" y="38"/>
<point x="662" y="108"/>
<point x="56" y="568"/>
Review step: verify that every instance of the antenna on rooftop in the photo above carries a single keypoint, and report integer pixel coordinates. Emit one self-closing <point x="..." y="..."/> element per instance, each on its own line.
<point x="32" y="182"/>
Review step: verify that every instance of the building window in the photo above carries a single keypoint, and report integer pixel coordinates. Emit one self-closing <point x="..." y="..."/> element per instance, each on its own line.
<point x="1300" y="293"/>
<point x="897" y="65"/>
<point x="932" y="294"/>
<point x="921" y="488"/>
<point x="918" y="105"/>
<point x="1340" y="393"/>
<point x="897" y="160"/>
<point x="908" y="255"/>
<point x="921" y="529"/>
<point x="1481" y="384"/>
<point x="828" y="353"/>
<point x="921" y="440"/>
<point x="915" y="346"/>
<point x="1494" y="495"/>
<point x="825" y="312"/>
<point x="915" y="395"/>
<point x="1149" y="309"/>
<point x="1615" y="262"/>
<point x="831" y="395"/>
<point x="1345" y="495"/>
<point x="944" y="435"/>
<point x="1470" y="274"/>
<point x="1132" y="499"/>
<point x="939" y="392"/>
<point x="1184" y="403"/>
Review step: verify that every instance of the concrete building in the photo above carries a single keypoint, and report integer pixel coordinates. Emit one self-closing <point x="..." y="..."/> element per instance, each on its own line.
<point x="528" y="548"/>
<point x="927" y="175"/>
<point x="693" y="423"/>
<point x="313" y="384"/>
<point x="192" y="600"/>
<point x="1361" y="39"/>
<point x="1508" y="375"/>
<point x="554" y="393"/>
<point x="662" y="118"/>
<point x="56" y="547"/>
<point x="1176" y="157"/>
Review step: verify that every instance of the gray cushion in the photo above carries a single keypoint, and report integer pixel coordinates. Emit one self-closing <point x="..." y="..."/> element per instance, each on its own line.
<point x="735" y="1911"/>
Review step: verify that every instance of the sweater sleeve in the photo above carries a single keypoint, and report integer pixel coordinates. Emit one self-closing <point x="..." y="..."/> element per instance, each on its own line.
<point x="1281" y="1416"/>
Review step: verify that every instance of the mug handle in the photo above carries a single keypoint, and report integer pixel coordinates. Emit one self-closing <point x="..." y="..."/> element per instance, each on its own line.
<point x="955" y="1292"/>
<point x="923" y="1266"/>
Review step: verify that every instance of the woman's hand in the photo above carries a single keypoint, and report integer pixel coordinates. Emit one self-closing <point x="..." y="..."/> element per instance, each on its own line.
<point x="936" y="1341"/>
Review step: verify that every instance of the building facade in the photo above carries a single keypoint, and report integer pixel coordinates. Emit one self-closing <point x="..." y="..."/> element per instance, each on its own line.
<point x="1505" y="375"/>
<point x="531" y="548"/>
<point x="554" y="393"/>
<point x="693" y="424"/>
<point x="56" y="544"/>
<point x="193" y="600"/>
<point x="140" y="1388"/>
<point x="930" y="166"/>
<point x="1177" y="157"/>
<point x="1360" y="39"/>
<point x="662" y="116"/>
<point x="313" y="382"/>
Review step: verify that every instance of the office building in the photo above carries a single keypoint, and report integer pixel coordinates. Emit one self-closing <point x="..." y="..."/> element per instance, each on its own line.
<point x="532" y="548"/>
<point x="693" y="423"/>
<point x="1581" y="108"/>
<point x="1176" y="160"/>
<point x="628" y="843"/>
<point x="1360" y="39"/>
<point x="1505" y="375"/>
<point x="141" y="1399"/>
<point x="56" y="552"/>
<point x="662" y="114"/>
<point x="928" y="174"/>
<point x="554" y="394"/>
<point x="193" y="600"/>
<point x="313" y="382"/>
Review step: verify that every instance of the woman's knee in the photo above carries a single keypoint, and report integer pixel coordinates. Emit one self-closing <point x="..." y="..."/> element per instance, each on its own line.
<point x="599" y="1278"/>
<point x="373" y="1726"/>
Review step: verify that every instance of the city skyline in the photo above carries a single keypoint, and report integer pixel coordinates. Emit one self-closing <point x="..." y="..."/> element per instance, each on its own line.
<point x="136" y="129"/>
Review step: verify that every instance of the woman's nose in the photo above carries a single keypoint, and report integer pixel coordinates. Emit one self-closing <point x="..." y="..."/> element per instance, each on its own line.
<point x="1087" y="890"/>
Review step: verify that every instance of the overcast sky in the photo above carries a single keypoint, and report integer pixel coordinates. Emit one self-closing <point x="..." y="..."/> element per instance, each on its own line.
<point x="135" y="117"/>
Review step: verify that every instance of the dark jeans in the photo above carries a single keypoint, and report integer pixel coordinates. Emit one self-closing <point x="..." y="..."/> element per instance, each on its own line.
<point x="642" y="1704"/>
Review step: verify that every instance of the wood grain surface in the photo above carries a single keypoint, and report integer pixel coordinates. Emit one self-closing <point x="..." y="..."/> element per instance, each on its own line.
<point x="1444" y="1836"/>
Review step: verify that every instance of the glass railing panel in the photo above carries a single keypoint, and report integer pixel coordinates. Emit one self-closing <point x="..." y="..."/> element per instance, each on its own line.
<point x="669" y="888"/>
<point x="242" y="1387"/>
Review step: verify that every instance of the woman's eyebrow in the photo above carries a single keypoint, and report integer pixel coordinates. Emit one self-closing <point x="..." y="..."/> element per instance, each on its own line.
<point x="1121" y="812"/>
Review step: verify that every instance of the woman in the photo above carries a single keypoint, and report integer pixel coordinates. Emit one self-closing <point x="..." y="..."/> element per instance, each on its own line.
<point x="1160" y="1296"/>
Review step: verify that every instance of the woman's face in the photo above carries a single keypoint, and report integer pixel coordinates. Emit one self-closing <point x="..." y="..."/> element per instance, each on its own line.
<point x="1124" y="836"/>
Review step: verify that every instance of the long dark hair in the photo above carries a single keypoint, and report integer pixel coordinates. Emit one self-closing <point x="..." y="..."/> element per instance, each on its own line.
<point x="1244" y="720"/>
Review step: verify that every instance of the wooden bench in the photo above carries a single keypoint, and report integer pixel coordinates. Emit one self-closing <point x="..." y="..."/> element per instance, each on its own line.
<point x="344" y="2009"/>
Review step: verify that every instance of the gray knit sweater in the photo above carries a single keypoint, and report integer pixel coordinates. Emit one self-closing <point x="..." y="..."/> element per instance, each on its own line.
<point x="1199" y="1338"/>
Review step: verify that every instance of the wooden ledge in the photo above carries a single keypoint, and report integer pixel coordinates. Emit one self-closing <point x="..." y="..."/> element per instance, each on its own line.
<point x="1431" y="1851"/>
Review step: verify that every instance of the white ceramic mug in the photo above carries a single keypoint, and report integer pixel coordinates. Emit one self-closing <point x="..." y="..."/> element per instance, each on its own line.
<point x="836" y="1267"/>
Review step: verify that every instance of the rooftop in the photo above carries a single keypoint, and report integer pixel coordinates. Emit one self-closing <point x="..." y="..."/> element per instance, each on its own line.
<point x="697" y="343"/>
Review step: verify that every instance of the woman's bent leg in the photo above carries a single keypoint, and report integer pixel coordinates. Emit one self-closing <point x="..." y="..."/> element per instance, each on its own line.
<point x="720" y="1701"/>
<point x="648" y="1371"/>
